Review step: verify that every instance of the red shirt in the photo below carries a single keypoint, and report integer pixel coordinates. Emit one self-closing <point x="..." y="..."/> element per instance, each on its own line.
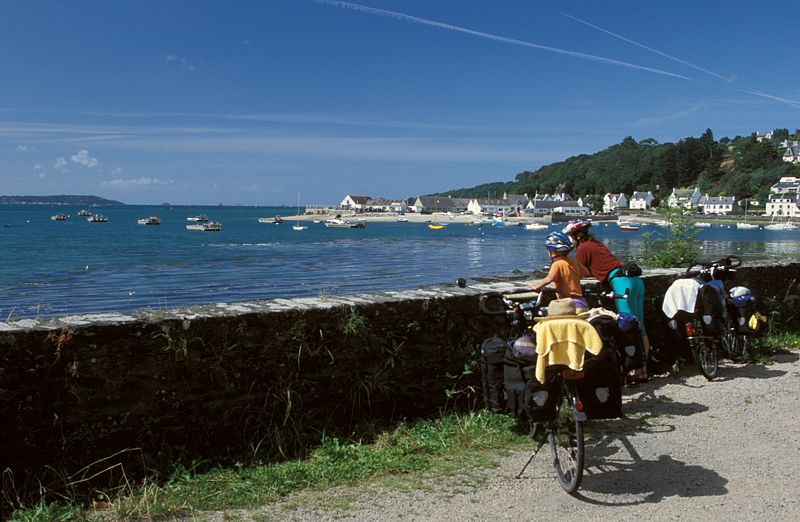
<point x="595" y="256"/>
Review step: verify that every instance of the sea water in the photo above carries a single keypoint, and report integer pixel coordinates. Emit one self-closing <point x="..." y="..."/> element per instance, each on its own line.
<point x="55" y="268"/>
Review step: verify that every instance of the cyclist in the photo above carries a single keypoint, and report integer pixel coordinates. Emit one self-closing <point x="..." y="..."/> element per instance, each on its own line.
<point x="605" y="267"/>
<point x="565" y="273"/>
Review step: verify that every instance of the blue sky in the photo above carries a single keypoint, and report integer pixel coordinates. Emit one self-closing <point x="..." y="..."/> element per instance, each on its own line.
<point x="206" y="102"/>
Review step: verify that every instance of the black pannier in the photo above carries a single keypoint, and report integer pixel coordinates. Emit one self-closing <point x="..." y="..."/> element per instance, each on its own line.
<point x="541" y="400"/>
<point x="492" y="351"/>
<point x="516" y="374"/>
<point x="711" y="308"/>
<point x="629" y="342"/>
<point x="742" y="307"/>
<point x="600" y="390"/>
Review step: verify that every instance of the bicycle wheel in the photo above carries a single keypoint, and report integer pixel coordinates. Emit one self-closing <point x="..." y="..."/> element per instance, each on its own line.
<point x="706" y="353"/>
<point x="737" y="345"/>
<point x="565" y="436"/>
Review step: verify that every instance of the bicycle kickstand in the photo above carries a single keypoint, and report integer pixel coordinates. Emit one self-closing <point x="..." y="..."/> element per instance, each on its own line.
<point x="535" y="452"/>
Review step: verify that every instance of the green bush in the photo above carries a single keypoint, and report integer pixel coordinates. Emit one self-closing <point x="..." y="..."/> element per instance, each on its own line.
<point x="678" y="248"/>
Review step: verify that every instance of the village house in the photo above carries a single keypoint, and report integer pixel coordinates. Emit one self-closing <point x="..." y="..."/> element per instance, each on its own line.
<point x="354" y="202"/>
<point x="786" y="185"/>
<point x="783" y="205"/>
<point x="761" y="136"/>
<point x="431" y="204"/>
<point x="387" y="205"/>
<point x="641" y="201"/>
<point x="614" y="202"/>
<point x="684" y="198"/>
<point x="490" y="207"/>
<point x="792" y="154"/>
<point x="789" y="143"/>
<point x="721" y="205"/>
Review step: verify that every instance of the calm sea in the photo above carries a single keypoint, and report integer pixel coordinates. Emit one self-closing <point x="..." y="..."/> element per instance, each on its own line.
<point x="60" y="268"/>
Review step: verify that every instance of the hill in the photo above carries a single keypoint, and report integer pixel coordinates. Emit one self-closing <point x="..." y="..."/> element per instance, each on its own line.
<point x="743" y="167"/>
<point x="57" y="200"/>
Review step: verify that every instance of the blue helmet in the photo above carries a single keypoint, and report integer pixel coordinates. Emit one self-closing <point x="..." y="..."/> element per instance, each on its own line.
<point x="558" y="242"/>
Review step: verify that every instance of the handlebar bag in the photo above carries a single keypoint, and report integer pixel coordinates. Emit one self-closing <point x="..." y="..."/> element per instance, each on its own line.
<point x="712" y="307"/>
<point x="601" y="388"/>
<point x="491" y="353"/>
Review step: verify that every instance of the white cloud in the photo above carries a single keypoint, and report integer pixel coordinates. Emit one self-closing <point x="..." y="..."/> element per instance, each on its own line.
<point x="37" y="167"/>
<point x="22" y="148"/>
<point x="138" y="182"/>
<point x="116" y="171"/>
<point x="182" y="62"/>
<point x="84" y="159"/>
<point x="60" y="163"/>
<point x="42" y="175"/>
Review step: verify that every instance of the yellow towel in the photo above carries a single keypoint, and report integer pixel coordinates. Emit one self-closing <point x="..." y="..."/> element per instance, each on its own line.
<point x="563" y="341"/>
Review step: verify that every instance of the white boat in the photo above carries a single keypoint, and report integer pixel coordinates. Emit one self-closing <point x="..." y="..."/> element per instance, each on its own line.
<point x="84" y="213"/>
<point x="662" y="223"/>
<point x="781" y="226"/>
<point x="297" y="226"/>
<point x="536" y="226"/>
<point x="59" y="217"/>
<point x="97" y="218"/>
<point x="746" y="226"/>
<point x="343" y="223"/>
<point x="152" y="220"/>
<point x="276" y="220"/>
<point x="211" y="226"/>
<point x="702" y="224"/>
<point x="401" y="220"/>
<point x="627" y="225"/>
<point x="202" y="218"/>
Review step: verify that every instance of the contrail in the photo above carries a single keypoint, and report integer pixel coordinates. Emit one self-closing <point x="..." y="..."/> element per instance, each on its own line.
<point x="512" y="41"/>
<point x="730" y="83"/>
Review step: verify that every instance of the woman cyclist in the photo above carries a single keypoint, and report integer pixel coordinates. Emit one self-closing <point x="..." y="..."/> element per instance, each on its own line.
<point x="565" y="273"/>
<point x="604" y="266"/>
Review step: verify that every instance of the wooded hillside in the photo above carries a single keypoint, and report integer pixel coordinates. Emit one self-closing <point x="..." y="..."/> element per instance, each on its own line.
<point x="741" y="167"/>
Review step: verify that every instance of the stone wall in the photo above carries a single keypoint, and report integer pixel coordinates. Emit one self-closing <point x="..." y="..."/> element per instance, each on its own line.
<point x="224" y="383"/>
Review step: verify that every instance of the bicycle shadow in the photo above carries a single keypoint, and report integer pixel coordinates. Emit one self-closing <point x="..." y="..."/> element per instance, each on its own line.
<point x="648" y="405"/>
<point x="648" y="481"/>
<point x="749" y="371"/>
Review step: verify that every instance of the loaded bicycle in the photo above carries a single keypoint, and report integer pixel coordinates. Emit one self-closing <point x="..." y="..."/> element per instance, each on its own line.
<point x="711" y="319"/>
<point x="559" y="399"/>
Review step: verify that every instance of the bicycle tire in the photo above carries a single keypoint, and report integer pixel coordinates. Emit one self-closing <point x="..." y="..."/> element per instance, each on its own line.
<point x="705" y="351"/>
<point x="737" y="345"/>
<point x="565" y="436"/>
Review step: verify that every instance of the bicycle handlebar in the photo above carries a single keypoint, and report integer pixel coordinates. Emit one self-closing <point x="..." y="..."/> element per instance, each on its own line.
<point x="707" y="268"/>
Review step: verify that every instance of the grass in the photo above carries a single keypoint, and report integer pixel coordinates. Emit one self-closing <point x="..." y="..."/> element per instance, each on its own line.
<point x="443" y="447"/>
<point x="763" y="348"/>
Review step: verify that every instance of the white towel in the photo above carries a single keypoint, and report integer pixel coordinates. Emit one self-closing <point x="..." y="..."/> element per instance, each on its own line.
<point x="681" y="295"/>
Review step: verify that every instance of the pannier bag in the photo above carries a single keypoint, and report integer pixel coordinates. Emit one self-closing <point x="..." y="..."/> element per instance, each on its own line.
<point x="712" y="307"/>
<point x="516" y="374"/>
<point x="540" y="400"/>
<point x="742" y="308"/>
<point x="600" y="390"/>
<point x="524" y="348"/>
<point x="492" y="351"/>
<point x="629" y="342"/>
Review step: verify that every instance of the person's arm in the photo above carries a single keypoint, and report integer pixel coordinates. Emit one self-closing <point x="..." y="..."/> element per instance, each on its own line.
<point x="549" y="278"/>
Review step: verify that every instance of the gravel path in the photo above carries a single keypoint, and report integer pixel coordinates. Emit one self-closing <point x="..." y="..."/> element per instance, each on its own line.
<point x="690" y="449"/>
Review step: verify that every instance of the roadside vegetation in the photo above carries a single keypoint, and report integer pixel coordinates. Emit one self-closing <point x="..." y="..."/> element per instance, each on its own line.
<point x="445" y="446"/>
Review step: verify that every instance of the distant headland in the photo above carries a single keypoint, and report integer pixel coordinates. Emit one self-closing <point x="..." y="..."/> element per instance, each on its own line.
<point x="63" y="199"/>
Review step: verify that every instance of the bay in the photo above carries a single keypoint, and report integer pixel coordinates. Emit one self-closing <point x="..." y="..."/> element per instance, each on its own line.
<point x="57" y="268"/>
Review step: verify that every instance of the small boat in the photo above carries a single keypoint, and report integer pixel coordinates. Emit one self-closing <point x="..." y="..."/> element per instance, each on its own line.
<point x="210" y="226"/>
<point x="746" y="226"/>
<point x="202" y="218"/>
<point x="437" y="226"/>
<point x="401" y="220"/>
<point x="97" y="218"/>
<point x="662" y="223"/>
<point x="275" y="220"/>
<point x="536" y="226"/>
<point x="84" y="213"/>
<point x="342" y="223"/>
<point x="702" y="224"/>
<point x="152" y="220"/>
<point x="628" y="226"/>
<point x="780" y="226"/>
<point x="59" y="217"/>
<point x="297" y="226"/>
<point x="317" y="221"/>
